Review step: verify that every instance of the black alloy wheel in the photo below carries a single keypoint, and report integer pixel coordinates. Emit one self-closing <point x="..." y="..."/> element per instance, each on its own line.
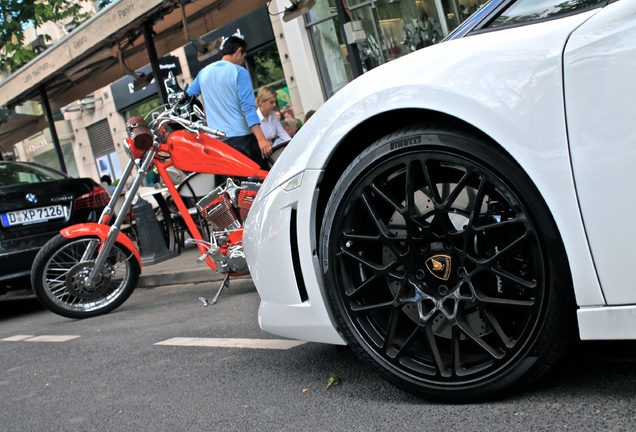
<point x="443" y="267"/>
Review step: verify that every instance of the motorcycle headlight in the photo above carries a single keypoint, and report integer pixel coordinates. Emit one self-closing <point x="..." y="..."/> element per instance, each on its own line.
<point x="139" y="133"/>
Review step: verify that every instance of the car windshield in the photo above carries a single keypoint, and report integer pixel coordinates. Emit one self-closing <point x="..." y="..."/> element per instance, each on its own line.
<point x="15" y="173"/>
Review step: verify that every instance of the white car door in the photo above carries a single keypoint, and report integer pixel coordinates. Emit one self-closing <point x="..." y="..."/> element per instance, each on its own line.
<point x="600" y="100"/>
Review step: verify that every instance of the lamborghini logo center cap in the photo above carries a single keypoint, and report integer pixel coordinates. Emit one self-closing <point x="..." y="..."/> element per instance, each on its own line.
<point x="439" y="266"/>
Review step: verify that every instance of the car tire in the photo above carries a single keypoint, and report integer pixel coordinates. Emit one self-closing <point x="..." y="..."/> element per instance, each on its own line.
<point x="58" y="271"/>
<point x="443" y="267"/>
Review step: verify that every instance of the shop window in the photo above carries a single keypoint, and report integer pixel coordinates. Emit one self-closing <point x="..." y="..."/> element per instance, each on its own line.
<point x="370" y="48"/>
<point x="265" y="67"/>
<point x="329" y="47"/>
<point x="103" y="148"/>
<point x="390" y="29"/>
<point x="532" y="10"/>
<point x="465" y="8"/>
<point x="144" y="109"/>
<point x="266" y="70"/>
<point x="50" y="159"/>
<point x="324" y="9"/>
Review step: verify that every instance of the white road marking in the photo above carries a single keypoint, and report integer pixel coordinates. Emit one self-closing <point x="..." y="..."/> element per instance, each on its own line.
<point x="270" y="344"/>
<point x="44" y="338"/>
<point x="51" y="338"/>
<point x="273" y="344"/>
<point x="17" y="338"/>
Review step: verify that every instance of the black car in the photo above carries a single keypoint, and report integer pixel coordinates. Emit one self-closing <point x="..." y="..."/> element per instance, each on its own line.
<point x="36" y="202"/>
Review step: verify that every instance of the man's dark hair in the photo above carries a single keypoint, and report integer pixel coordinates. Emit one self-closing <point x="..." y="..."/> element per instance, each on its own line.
<point x="106" y="179"/>
<point x="232" y="44"/>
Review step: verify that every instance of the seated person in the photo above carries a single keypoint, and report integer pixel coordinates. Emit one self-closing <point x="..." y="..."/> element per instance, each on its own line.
<point x="107" y="183"/>
<point x="266" y="103"/>
<point x="290" y="125"/>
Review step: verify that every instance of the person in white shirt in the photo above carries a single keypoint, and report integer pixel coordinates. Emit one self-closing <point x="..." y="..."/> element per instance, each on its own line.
<point x="266" y="103"/>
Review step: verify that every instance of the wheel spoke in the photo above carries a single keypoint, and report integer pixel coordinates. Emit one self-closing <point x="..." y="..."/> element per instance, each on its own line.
<point x="442" y="367"/>
<point x="395" y="205"/>
<point x="452" y="196"/>
<point x="505" y="250"/>
<point x="494" y="225"/>
<point x="530" y="284"/>
<point x="504" y="301"/>
<point x="470" y="334"/>
<point x="382" y="269"/>
<point x="494" y="323"/>
<point x="367" y="308"/>
<point x="390" y="347"/>
<point x="384" y="232"/>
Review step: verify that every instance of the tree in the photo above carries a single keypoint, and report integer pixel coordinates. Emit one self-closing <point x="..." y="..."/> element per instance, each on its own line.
<point x="103" y="3"/>
<point x="16" y="15"/>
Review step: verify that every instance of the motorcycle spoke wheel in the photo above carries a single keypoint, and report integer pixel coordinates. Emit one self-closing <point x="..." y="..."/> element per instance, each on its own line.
<point x="59" y="277"/>
<point x="443" y="268"/>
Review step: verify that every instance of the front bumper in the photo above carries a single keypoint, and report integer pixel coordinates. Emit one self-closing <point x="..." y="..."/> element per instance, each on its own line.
<point x="17" y="255"/>
<point x="282" y="255"/>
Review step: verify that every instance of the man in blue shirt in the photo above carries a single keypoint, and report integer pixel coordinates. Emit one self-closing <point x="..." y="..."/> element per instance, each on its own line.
<point x="229" y="101"/>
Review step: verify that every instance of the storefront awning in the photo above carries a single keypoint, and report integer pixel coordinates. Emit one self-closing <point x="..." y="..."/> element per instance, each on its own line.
<point x="105" y="48"/>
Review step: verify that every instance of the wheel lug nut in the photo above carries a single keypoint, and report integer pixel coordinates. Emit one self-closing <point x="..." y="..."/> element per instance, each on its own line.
<point x="420" y="275"/>
<point x="442" y="290"/>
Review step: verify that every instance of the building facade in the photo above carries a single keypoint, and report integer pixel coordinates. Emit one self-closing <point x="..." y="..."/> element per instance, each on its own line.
<point x="306" y="60"/>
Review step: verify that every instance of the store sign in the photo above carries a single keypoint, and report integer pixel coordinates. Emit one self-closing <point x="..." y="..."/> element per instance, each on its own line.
<point x="255" y="28"/>
<point x="33" y="147"/>
<point x="123" y="90"/>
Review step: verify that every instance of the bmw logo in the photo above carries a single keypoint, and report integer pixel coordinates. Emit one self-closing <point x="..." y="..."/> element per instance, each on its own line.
<point x="31" y="198"/>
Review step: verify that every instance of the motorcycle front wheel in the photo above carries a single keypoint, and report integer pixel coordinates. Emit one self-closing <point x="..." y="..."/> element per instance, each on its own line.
<point x="58" y="277"/>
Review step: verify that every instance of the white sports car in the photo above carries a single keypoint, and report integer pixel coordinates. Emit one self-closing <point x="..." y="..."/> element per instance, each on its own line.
<point x="459" y="215"/>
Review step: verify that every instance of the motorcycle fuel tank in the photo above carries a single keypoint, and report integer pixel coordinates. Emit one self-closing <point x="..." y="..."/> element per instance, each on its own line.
<point x="205" y="154"/>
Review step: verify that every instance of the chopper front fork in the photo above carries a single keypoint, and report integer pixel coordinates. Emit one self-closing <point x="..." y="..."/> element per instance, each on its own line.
<point x="115" y="228"/>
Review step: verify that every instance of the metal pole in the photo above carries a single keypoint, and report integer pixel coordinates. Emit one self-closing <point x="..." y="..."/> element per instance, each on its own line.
<point x="352" y="49"/>
<point x="51" y="122"/>
<point x="154" y="61"/>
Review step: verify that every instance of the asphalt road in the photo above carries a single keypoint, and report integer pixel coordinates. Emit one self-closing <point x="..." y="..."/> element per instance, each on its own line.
<point x="132" y="370"/>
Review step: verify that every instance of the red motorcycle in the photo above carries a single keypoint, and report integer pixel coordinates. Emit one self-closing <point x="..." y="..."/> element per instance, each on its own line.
<point x="90" y="269"/>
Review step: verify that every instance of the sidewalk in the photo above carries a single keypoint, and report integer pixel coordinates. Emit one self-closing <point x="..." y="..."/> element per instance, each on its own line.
<point x="182" y="269"/>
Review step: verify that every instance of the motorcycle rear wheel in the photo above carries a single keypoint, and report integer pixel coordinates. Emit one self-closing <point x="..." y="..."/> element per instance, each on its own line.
<point x="58" y="274"/>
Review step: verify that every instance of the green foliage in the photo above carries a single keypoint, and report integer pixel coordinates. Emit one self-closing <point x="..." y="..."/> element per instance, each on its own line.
<point x="103" y="3"/>
<point x="15" y="15"/>
<point x="267" y="67"/>
<point x="145" y="109"/>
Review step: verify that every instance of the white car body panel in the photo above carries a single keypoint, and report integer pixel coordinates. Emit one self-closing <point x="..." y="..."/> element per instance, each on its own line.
<point x="603" y="323"/>
<point x="520" y="107"/>
<point x="603" y="141"/>
<point x="268" y="225"/>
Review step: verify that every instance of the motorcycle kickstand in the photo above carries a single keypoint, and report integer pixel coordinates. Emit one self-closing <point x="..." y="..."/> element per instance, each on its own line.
<point x="226" y="282"/>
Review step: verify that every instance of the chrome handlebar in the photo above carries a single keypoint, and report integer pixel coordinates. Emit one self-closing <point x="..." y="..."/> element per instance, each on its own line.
<point x="170" y="114"/>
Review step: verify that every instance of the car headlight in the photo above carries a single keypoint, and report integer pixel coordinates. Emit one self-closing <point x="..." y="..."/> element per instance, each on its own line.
<point x="293" y="183"/>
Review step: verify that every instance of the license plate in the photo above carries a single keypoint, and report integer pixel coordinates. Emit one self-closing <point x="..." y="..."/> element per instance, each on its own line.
<point x="34" y="215"/>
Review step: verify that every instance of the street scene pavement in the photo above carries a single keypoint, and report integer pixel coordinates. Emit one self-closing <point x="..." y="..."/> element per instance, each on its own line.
<point x="165" y="362"/>
<point x="181" y="269"/>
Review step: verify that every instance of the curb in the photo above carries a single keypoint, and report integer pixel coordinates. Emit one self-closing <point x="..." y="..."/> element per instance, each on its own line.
<point x="186" y="277"/>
